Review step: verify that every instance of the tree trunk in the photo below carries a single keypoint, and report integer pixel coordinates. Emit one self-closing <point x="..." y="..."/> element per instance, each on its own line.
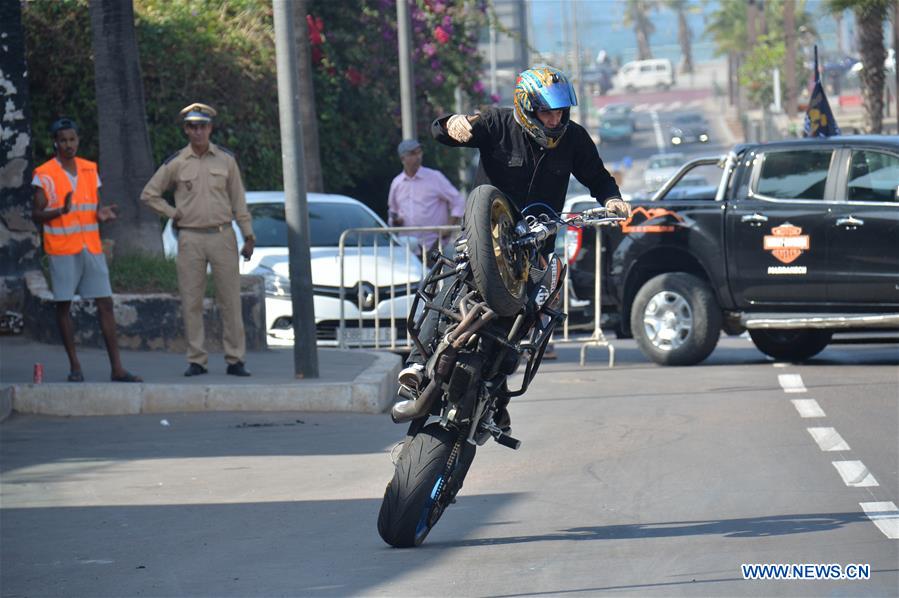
<point x="126" y="161"/>
<point x="731" y="77"/>
<point x="751" y="15"/>
<point x="896" y="57"/>
<point x="870" y="42"/>
<point x="644" y="51"/>
<point x="790" y="58"/>
<point x="684" y="37"/>
<point x="838" y="19"/>
<point x="18" y="235"/>
<point x="311" y="151"/>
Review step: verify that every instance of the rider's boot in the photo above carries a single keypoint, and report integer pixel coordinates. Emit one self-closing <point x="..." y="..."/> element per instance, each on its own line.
<point x="412" y="376"/>
<point x="501" y="417"/>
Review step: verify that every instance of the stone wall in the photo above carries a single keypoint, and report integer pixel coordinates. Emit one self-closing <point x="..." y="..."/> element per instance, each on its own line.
<point x="144" y="322"/>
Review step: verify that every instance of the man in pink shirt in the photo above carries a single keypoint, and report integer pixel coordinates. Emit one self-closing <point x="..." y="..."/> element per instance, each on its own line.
<point x="421" y="196"/>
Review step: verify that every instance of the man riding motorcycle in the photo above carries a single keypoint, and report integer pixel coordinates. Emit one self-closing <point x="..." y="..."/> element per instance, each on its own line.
<point x="528" y="152"/>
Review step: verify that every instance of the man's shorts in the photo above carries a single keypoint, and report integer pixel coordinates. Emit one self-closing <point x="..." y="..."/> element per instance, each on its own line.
<point x="85" y="273"/>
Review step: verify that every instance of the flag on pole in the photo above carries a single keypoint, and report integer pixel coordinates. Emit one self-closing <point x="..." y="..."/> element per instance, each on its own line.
<point x="819" y="120"/>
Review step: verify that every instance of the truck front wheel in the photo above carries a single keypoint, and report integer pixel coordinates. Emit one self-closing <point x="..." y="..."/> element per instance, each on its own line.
<point x="790" y="345"/>
<point x="676" y="319"/>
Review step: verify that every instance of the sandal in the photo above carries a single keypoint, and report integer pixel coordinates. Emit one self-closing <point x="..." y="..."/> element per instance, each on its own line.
<point x="75" y="377"/>
<point x="126" y="377"/>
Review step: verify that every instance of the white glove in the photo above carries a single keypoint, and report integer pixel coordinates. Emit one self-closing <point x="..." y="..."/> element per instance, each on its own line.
<point x="458" y="127"/>
<point x="619" y="207"/>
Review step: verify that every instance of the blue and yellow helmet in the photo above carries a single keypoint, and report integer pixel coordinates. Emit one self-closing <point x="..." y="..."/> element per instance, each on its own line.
<point x="543" y="88"/>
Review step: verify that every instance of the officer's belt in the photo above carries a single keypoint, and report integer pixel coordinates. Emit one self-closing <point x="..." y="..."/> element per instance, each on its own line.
<point x="206" y="229"/>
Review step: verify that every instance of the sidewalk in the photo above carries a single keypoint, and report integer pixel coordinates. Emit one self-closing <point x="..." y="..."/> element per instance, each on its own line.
<point x="350" y="380"/>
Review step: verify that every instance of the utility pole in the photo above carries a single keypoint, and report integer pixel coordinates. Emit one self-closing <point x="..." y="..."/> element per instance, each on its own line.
<point x="407" y="86"/>
<point x="565" y="40"/>
<point x="491" y="54"/>
<point x="583" y="108"/>
<point x="305" y="350"/>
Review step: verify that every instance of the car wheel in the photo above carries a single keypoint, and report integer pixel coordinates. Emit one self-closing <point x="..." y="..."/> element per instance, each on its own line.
<point x="676" y="319"/>
<point x="790" y="345"/>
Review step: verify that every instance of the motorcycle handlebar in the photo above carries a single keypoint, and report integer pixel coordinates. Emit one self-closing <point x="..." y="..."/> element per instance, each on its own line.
<point x="541" y="230"/>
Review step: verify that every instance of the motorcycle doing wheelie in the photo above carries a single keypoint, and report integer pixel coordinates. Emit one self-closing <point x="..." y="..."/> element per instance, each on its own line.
<point x="475" y="318"/>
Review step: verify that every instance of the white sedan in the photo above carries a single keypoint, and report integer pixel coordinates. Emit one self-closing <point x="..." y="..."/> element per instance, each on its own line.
<point x="379" y="284"/>
<point x="660" y="168"/>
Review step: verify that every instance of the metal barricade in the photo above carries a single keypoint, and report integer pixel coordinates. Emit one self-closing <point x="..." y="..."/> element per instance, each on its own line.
<point x="408" y="270"/>
<point x="597" y="338"/>
<point x="408" y="265"/>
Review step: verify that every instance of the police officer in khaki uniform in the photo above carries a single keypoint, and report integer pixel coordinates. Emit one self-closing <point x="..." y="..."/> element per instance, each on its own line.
<point x="209" y="194"/>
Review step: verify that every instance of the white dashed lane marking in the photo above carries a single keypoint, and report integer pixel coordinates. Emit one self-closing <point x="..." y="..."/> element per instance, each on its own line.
<point x="791" y="382"/>
<point x="855" y="474"/>
<point x="673" y="106"/>
<point x="808" y="408"/>
<point x="885" y="516"/>
<point x="828" y="439"/>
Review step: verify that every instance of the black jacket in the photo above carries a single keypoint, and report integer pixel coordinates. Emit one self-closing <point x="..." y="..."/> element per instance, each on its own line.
<point x="527" y="173"/>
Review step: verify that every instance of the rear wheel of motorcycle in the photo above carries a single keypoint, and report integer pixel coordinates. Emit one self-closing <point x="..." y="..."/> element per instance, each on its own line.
<point x="428" y="474"/>
<point x="500" y="270"/>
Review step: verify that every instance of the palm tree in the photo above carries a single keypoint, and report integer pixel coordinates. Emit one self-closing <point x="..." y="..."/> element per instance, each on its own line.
<point x="126" y="161"/>
<point x="727" y="27"/>
<point x="636" y="14"/>
<point x="684" y="34"/>
<point x="869" y="18"/>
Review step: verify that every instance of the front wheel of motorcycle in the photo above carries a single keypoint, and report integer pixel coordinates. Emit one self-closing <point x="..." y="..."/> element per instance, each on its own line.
<point x="500" y="270"/>
<point x="429" y="472"/>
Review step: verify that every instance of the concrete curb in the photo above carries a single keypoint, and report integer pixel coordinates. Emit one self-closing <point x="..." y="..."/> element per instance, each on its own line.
<point x="373" y="391"/>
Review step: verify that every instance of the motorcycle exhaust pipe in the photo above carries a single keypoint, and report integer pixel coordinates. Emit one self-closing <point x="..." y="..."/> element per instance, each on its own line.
<point x="413" y="409"/>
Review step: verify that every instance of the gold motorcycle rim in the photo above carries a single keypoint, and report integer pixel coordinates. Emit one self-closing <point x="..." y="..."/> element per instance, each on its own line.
<point x="508" y="261"/>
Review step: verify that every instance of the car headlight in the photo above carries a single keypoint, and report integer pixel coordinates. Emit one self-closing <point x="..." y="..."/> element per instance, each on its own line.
<point x="676" y="140"/>
<point x="703" y="137"/>
<point x="275" y="284"/>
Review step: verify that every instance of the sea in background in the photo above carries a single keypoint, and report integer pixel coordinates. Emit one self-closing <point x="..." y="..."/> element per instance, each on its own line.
<point x="600" y="27"/>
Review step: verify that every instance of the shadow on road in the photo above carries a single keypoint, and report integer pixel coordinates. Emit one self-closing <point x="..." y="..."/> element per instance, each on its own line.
<point x="753" y="527"/>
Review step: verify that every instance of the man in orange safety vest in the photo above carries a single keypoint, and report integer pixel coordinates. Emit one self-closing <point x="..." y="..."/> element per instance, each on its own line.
<point x="67" y="204"/>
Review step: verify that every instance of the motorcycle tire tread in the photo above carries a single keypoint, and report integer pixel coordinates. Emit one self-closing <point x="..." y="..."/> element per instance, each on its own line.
<point x="487" y="277"/>
<point x="421" y="463"/>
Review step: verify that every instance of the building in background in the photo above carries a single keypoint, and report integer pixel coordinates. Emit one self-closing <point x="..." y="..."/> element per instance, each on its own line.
<point x="505" y="48"/>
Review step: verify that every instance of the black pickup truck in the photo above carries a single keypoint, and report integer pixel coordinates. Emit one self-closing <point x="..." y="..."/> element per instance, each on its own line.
<point x="789" y="240"/>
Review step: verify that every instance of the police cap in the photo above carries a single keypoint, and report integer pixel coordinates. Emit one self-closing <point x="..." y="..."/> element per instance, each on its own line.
<point x="197" y="112"/>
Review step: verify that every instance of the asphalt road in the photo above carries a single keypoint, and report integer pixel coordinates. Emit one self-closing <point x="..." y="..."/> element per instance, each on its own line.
<point x="640" y="479"/>
<point x="654" y="112"/>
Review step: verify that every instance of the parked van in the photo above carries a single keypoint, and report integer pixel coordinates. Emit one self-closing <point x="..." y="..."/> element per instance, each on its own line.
<point x="657" y="73"/>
